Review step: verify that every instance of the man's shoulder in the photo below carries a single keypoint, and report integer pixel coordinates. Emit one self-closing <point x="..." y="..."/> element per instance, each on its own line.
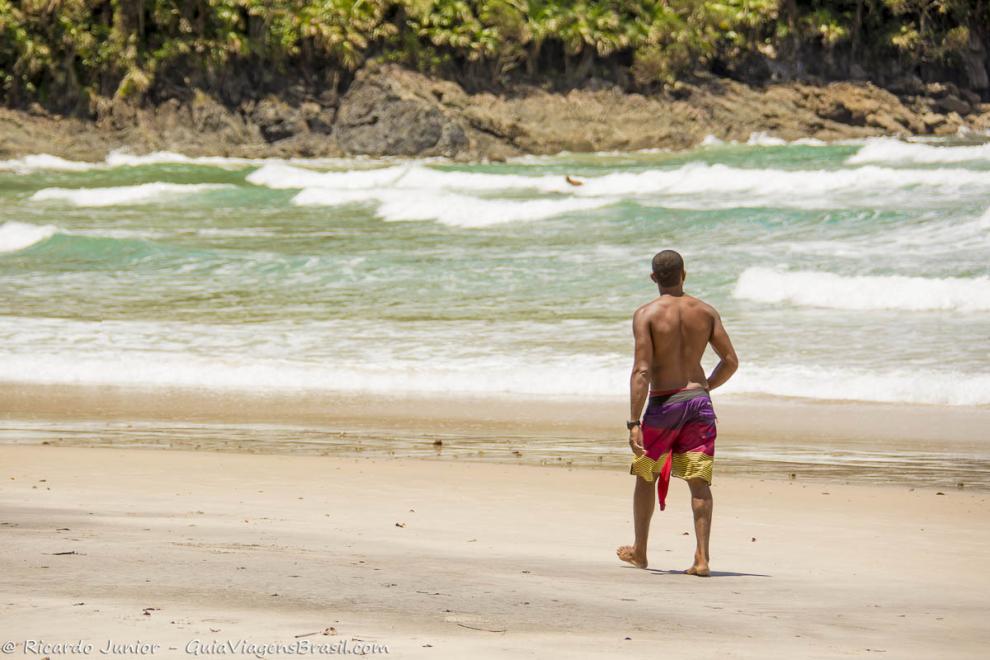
<point x="702" y="306"/>
<point x="650" y="309"/>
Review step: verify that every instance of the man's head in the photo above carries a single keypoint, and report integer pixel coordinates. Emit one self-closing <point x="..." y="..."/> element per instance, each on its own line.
<point x="668" y="269"/>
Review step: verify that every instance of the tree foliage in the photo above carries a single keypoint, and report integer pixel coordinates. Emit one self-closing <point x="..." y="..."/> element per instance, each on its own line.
<point x="68" y="52"/>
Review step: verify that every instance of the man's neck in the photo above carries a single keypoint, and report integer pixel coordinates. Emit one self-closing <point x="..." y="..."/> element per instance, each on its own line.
<point x="676" y="291"/>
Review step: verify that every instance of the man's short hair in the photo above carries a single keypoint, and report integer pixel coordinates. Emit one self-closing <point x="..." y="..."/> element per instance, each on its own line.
<point x="668" y="266"/>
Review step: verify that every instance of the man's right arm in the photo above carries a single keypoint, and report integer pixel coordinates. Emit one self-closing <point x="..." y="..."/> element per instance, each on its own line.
<point x="722" y="345"/>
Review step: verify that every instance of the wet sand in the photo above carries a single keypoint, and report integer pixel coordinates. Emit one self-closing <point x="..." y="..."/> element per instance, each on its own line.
<point x="458" y="559"/>
<point x="920" y="446"/>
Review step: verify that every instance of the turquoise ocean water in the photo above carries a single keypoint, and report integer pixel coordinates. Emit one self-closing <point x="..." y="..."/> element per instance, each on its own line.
<point x="856" y="271"/>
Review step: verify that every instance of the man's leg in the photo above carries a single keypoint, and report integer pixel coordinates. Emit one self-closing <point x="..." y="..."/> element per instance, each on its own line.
<point x="644" y="501"/>
<point x="701" y="505"/>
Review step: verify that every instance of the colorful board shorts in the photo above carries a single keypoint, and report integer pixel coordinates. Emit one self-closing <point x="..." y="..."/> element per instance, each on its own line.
<point x="678" y="438"/>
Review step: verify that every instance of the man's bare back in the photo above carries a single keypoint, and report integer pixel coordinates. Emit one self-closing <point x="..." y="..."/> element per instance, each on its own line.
<point x="680" y="329"/>
<point x="671" y="334"/>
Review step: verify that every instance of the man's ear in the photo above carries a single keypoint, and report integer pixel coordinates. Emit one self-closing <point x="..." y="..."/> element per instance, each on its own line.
<point x="683" y="276"/>
<point x="653" y="276"/>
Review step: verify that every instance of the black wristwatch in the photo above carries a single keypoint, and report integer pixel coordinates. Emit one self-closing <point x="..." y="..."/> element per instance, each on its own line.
<point x="635" y="422"/>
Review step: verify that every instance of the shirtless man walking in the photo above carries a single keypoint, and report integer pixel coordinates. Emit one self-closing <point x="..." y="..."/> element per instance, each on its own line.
<point x="671" y="334"/>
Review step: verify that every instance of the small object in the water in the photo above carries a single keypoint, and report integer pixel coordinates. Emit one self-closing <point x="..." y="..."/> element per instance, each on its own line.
<point x="685" y="534"/>
<point x="940" y="493"/>
<point x="68" y="552"/>
<point x="793" y="475"/>
<point x="438" y="442"/>
<point x="574" y="182"/>
<point x="960" y="485"/>
<point x="398" y="524"/>
<point x="753" y="540"/>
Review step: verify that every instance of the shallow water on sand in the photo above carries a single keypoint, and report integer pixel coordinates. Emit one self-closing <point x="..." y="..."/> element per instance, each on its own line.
<point x="933" y="468"/>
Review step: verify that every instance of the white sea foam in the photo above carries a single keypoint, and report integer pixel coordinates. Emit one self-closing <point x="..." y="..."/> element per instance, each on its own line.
<point x="891" y="150"/>
<point x="925" y="386"/>
<point x="764" y="139"/>
<point x="127" y="159"/>
<point x="19" y="235"/>
<point x="123" y="158"/>
<point x="786" y="187"/>
<point x="284" y="176"/>
<point x="36" y="162"/>
<point x="140" y="194"/>
<point x="515" y="358"/>
<point x="696" y="185"/>
<point x="863" y="292"/>
<point x="447" y="208"/>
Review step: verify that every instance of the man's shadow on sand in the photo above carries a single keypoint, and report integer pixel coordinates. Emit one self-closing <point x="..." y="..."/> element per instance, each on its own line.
<point x="661" y="571"/>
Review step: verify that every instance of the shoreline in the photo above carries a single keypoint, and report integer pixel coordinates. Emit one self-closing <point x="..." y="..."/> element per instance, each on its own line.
<point x="427" y="560"/>
<point x="930" y="447"/>
<point x="472" y="127"/>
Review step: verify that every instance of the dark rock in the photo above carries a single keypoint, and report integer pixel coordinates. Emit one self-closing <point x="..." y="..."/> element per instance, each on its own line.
<point x="970" y="97"/>
<point x="975" y="63"/>
<point x="907" y="84"/>
<point x="382" y="115"/>
<point x="317" y="118"/>
<point x="209" y="116"/>
<point x="277" y="120"/>
<point x="952" y="103"/>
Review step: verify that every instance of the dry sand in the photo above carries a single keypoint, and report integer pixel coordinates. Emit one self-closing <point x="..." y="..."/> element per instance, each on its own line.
<point x="492" y="561"/>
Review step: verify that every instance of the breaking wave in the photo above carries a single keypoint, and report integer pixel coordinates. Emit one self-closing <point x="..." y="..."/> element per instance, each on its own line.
<point x="890" y="150"/>
<point x="140" y="194"/>
<point x="863" y="292"/>
<point x="16" y="236"/>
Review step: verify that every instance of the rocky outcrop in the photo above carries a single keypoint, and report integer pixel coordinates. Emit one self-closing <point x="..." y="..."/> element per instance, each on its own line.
<point x="388" y="110"/>
<point x="382" y="115"/>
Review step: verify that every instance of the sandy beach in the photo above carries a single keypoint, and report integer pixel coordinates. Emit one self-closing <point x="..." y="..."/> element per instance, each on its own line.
<point x="452" y="559"/>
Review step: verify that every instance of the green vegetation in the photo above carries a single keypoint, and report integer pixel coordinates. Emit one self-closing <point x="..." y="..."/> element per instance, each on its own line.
<point x="65" y="53"/>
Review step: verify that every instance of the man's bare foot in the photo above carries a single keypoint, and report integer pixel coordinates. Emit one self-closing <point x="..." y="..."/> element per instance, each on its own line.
<point x="629" y="554"/>
<point x="701" y="570"/>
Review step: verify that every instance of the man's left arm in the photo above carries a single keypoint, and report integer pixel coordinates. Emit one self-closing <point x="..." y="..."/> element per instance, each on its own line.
<point x="639" y="380"/>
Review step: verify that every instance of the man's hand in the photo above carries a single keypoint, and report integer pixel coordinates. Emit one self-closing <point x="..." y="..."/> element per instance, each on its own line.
<point x="636" y="441"/>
